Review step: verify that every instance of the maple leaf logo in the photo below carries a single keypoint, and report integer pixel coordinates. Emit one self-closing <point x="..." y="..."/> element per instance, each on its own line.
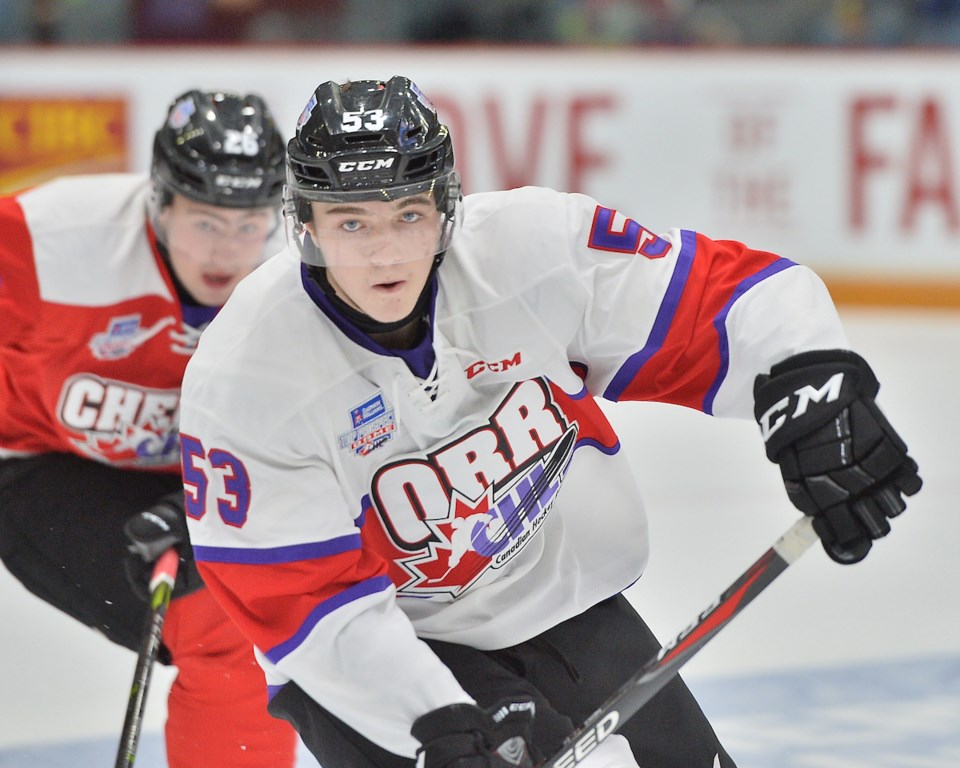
<point x="459" y="556"/>
<point x="476" y="534"/>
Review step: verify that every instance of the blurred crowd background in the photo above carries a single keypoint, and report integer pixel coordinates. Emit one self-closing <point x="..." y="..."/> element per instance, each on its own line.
<point x="802" y="23"/>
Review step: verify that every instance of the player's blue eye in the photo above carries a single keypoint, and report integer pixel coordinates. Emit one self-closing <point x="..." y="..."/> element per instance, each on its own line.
<point x="351" y="226"/>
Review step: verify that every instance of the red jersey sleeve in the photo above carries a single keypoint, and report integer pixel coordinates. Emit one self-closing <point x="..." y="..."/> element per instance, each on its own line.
<point x="19" y="292"/>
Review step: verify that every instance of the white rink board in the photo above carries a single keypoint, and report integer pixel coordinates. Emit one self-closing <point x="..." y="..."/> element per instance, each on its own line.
<point x="844" y="161"/>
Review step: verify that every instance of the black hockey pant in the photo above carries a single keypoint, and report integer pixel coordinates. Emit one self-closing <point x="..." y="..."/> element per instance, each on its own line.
<point x="61" y="535"/>
<point x="568" y="671"/>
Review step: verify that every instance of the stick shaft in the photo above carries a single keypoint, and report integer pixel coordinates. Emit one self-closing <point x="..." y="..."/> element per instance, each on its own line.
<point x="657" y="672"/>
<point x="161" y="586"/>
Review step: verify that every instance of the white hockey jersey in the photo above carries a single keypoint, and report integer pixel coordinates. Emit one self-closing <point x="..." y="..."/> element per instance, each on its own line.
<point x="344" y="499"/>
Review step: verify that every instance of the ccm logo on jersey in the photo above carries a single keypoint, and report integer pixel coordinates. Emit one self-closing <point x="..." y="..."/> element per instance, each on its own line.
<point x="365" y="165"/>
<point x="807" y="394"/>
<point x="494" y="366"/>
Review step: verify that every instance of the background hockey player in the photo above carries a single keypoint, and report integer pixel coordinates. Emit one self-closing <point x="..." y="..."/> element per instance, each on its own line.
<point x="415" y="367"/>
<point x="105" y="285"/>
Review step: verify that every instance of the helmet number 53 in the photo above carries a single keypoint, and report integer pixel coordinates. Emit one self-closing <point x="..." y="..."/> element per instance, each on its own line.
<point x="372" y="120"/>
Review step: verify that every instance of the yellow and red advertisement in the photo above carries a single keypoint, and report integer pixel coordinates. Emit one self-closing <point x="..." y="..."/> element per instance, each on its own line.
<point x="49" y="136"/>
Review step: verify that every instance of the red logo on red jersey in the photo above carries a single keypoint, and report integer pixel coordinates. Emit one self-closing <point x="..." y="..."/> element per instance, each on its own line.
<point x="119" y="423"/>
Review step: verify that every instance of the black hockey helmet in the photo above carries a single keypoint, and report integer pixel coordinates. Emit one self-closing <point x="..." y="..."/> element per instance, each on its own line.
<point x="368" y="140"/>
<point x="219" y="148"/>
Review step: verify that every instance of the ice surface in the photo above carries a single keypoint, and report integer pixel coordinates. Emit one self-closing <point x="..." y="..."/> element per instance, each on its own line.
<point x="831" y="667"/>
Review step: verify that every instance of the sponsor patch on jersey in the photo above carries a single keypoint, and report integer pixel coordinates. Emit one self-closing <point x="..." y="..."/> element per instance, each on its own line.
<point x="373" y="424"/>
<point x="123" y="336"/>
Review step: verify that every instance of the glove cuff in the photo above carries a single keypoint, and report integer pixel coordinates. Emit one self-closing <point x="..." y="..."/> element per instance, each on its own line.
<point x="806" y="391"/>
<point x="866" y="384"/>
<point x="465" y="736"/>
<point x="454" y="718"/>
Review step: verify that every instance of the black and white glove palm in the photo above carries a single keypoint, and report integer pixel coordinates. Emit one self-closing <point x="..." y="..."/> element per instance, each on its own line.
<point x="465" y="736"/>
<point x="841" y="461"/>
<point x="151" y="533"/>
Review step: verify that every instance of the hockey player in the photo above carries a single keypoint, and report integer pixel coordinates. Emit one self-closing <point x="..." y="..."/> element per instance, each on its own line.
<point x="105" y="285"/>
<point x="399" y="484"/>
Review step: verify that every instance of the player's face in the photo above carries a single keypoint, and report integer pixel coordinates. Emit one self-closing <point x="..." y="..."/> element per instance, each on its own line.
<point x="211" y="248"/>
<point x="378" y="254"/>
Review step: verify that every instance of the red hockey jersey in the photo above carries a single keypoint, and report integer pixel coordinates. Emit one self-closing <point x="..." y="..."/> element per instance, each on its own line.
<point x="93" y="342"/>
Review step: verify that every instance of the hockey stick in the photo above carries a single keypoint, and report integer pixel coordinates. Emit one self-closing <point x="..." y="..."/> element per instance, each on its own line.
<point x="657" y="672"/>
<point x="161" y="588"/>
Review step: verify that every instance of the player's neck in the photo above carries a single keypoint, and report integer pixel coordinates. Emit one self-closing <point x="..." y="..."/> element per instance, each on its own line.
<point x="406" y="337"/>
<point x="405" y="333"/>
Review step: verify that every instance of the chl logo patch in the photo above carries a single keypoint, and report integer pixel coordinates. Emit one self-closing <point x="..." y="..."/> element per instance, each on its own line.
<point x="124" y="336"/>
<point x="373" y="424"/>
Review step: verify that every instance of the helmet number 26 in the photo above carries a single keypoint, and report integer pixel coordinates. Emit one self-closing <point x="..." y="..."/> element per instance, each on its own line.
<point x="371" y="119"/>
<point x="240" y="143"/>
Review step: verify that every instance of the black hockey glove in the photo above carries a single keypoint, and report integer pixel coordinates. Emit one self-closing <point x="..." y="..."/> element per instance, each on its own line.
<point x="841" y="461"/>
<point x="465" y="736"/>
<point x="151" y="533"/>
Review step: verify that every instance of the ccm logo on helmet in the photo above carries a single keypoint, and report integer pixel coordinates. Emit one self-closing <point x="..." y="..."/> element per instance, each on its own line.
<point x="365" y="165"/>
<point x="237" y="182"/>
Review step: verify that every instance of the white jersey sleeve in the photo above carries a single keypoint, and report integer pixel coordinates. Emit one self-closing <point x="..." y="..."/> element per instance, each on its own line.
<point x="672" y="317"/>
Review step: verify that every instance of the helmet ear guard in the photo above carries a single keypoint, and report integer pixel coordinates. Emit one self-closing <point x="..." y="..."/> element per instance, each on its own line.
<point x="304" y="211"/>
